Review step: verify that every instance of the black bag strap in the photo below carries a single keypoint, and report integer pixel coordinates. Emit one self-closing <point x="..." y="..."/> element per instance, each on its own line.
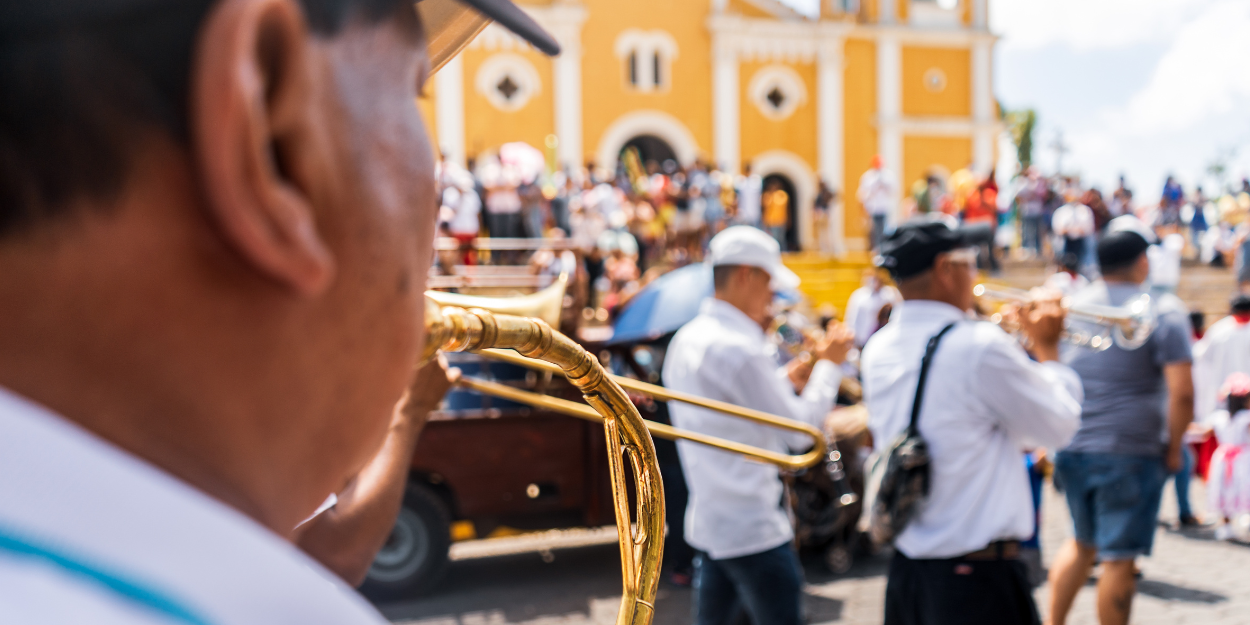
<point x="924" y="373"/>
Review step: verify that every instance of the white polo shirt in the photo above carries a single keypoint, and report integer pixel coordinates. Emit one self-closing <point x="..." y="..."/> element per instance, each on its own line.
<point x="735" y="503"/>
<point x="92" y="534"/>
<point x="984" y="401"/>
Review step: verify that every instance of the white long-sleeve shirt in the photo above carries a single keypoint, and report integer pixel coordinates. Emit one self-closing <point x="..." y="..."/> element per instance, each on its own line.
<point x="1224" y="349"/>
<point x="877" y="188"/>
<point x="984" y="401"/>
<point x="735" y="503"/>
<point x="864" y="306"/>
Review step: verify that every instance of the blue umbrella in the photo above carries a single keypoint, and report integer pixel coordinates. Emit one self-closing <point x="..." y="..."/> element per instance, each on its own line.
<point x="663" y="306"/>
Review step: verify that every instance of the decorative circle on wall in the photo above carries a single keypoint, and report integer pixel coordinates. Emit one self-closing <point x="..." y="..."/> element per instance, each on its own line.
<point x="935" y="80"/>
<point x="507" y="81"/>
<point x="777" y="91"/>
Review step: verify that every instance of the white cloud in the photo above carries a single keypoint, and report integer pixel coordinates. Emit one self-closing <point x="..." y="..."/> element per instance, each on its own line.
<point x="1087" y="24"/>
<point x="1203" y="73"/>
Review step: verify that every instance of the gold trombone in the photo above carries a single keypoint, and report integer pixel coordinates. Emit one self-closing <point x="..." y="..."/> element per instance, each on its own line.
<point x="1128" y="326"/>
<point x="455" y="329"/>
<point x="530" y="342"/>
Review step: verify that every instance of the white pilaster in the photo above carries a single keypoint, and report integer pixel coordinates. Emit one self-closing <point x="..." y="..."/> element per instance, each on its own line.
<point x="725" y="113"/>
<point x="887" y="11"/>
<point x="564" y="21"/>
<point x="980" y="14"/>
<point x="449" y="109"/>
<point x="982" y="108"/>
<point x="830" y="144"/>
<point x="890" y="107"/>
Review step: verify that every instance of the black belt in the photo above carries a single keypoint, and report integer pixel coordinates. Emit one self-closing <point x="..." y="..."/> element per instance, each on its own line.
<point x="997" y="550"/>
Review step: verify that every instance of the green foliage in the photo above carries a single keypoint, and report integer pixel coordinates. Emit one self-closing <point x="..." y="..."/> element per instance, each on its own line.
<point x="1022" y="123"/>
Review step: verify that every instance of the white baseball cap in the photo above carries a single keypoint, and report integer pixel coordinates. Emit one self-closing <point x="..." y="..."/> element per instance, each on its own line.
<point x="746" y="245"/>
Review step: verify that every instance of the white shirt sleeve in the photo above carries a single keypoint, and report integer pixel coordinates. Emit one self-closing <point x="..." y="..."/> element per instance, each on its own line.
<point x="756" y="384"/>
<point x="1037" y="404"/>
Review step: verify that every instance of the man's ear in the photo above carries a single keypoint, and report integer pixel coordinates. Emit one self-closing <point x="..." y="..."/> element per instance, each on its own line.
<point x="257" y="144"/>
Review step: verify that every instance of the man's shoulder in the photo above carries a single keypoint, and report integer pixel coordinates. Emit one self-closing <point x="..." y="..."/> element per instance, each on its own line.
<point x="708" y="335"/>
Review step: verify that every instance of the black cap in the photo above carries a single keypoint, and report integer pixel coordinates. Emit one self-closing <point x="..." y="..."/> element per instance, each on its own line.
<point x="911" y="248"/>
<point x="511" y="16"/>
<point x="28" y="15"/>
<point x="1119" y="249"/>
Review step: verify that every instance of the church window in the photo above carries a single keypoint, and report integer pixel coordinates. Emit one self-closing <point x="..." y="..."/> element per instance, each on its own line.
<point x="935" y="80"/>
<point x="648" y="57"/>
<point x="777" y="91"/>
<point x="508" y="81"/>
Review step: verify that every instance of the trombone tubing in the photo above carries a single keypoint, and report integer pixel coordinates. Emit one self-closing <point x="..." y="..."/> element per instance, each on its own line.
<point x="642" y="546"/>
<point x="783" y="461"/>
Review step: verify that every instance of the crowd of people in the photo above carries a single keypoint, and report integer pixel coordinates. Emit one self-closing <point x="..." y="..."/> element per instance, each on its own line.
<point x="1060" y="219"/>
<point x="216" y="220"/>
<point x="630" y="224"/>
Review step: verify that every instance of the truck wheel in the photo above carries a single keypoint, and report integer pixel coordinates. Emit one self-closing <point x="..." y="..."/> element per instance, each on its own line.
<point x="414" y="557"/>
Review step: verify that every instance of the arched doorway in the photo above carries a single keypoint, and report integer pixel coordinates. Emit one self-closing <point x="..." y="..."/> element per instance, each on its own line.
<point x="651" y="149"/>
<point x="652" y="123"/>
<point x="792" y="210"/>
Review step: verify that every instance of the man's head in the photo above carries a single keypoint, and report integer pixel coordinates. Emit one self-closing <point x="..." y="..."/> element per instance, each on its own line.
<point x="929" y="260"/>
<point x="1122" y="257"/>
<point x="1239" y="308"/>
<point x="216" y="218"/>
<point x="747" y="270"/>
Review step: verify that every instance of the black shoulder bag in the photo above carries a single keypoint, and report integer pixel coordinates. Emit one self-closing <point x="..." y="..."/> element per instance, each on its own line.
<point x="905" y="481"/>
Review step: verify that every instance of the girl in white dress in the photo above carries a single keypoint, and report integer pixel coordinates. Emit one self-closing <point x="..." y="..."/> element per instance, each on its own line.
<point x="1228" y="481"/>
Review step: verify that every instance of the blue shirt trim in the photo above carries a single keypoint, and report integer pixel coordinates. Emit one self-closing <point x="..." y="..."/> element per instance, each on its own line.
<point x="129" y="589"/>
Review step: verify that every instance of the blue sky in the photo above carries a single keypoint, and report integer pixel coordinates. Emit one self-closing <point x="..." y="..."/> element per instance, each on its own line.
<point x="1139" y="87"/>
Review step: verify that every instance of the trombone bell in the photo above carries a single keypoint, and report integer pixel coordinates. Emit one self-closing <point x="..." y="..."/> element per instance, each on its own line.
<point x="641" y="542"/>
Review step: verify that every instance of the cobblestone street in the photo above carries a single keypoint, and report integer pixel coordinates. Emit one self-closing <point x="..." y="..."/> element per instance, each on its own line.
<point x="1190" y="579"/>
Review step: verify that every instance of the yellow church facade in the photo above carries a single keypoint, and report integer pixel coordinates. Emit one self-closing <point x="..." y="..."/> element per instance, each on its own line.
<point x="736" y="82"/>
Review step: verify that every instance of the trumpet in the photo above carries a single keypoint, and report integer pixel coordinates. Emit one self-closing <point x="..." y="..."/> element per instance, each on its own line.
<point x="1128" y="326"/>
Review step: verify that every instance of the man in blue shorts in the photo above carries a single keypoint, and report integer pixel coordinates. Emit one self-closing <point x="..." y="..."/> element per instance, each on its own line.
<point x="1114" y="470"/>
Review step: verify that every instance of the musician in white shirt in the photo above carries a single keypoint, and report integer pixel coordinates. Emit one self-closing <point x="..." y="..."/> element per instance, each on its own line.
<point x="984" y="401"/>
<point x="735" y="516"/>
<point x="212" y="296"/>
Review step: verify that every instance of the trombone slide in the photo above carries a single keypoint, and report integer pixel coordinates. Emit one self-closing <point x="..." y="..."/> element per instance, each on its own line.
<point x="783" y="461"/>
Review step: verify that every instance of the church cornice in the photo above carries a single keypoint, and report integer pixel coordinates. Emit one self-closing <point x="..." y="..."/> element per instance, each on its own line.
<point x="770" y="40"/>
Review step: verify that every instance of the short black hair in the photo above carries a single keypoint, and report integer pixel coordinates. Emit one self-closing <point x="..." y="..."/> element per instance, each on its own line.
<point x="1240" y="304"/>
<point x="1119" y="251"/>
<point x="73" y="96"/>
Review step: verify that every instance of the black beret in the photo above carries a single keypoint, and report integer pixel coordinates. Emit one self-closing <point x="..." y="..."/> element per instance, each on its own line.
<point x="911" y="248"/>
<point x="1117" y="249"/>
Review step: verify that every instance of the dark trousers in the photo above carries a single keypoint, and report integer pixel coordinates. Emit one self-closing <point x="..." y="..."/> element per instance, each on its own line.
<point x="769" y="585"/>
<point x="1075" y="247"/>
<point x="956" y="591"/>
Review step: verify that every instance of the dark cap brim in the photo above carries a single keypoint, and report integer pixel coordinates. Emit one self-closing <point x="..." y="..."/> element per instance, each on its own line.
<point x="511" y="16"/>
